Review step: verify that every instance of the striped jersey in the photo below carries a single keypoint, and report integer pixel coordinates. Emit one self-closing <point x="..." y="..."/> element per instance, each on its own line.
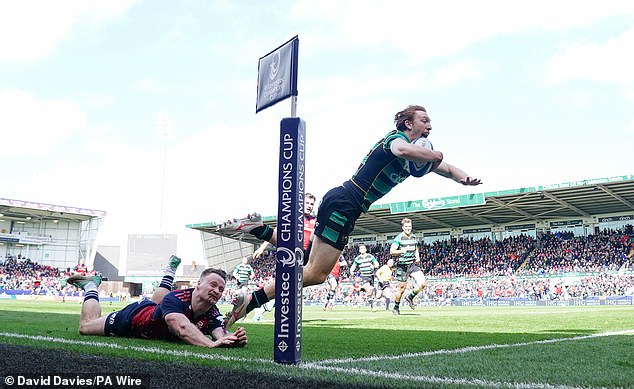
<point x="366" y="263"/>
<point x="242" y="272"/>
<point x="379" y="172"/>
<point x="403" y="242"/>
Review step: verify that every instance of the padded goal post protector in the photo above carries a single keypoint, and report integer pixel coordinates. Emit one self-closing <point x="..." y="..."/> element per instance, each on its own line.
<point x="290" y="240"/>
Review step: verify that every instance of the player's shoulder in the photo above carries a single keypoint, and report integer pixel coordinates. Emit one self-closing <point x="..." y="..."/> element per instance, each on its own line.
<point x="182" y="295"/>
<point x="394" y="135"/>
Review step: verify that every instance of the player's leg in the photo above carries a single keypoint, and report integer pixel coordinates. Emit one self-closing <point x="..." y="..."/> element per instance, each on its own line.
<point x="332" y="286"/>
<point x="167" y="282"/>
<point x="400" y="289"/>
<point x="387" y="295"/>
<point x="251" y="224"/>
<point x="419" y="279"/>
<point x="369" y="293"/>
<point x="257" y="314"/>
<point x="322" y="260"/>
<point x="401" y="277"/>
<point x="378" y="292"/>
<point x="90" y="320"/>
<point x="335" y="221"/>
<point x="268" y="307"/>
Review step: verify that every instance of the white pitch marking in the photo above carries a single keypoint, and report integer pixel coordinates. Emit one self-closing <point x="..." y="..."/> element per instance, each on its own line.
<point x="153" y="350"/>
<point x="319" y="365"/>
<point x="444" y="380"/>
<point x="467" y="349"/>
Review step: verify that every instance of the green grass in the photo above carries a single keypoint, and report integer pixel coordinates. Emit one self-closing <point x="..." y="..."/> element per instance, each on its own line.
<point x="556" y="346"/>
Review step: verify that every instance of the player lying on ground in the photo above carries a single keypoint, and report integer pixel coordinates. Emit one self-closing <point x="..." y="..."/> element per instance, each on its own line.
<point x="188" y="314"/>
<point x="386" y="165"/>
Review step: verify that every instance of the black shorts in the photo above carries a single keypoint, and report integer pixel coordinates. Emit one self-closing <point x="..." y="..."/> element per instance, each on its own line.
<point x="119" y="323"/>
<point x="404" y="271"/>
<point x="336" y="216"/>
<point x="384" y="285"/>
<point x="367" y="280"/>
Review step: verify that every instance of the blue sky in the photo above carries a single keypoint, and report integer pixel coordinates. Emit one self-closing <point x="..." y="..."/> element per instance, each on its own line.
<point x="519" y="93"/>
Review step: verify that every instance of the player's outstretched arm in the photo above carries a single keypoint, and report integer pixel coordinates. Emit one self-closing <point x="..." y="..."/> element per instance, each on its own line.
<point x="412" y="152"/>
<point x="258" y="253"/>
<point x="456" y="174"/>
<point x="180" y="326"/>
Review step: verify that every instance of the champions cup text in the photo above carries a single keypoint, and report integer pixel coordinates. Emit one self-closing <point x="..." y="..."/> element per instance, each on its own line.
<point x="290" y="238"/>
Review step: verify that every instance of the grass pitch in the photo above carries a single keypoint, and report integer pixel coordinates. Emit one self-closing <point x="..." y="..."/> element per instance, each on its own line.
<point x="449" y="347"/>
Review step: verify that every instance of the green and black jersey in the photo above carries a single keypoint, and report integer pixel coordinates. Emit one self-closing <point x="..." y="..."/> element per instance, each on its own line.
<point x="379" y="172"/>
<point x="366" y="263"/>
<point x="243" y="272"/>
<point x="404" y="242"/>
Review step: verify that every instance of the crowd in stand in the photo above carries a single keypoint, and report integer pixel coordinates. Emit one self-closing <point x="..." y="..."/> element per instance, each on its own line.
<point x="564" y="253"/>
<point x="19" y="273"/>
<point x="520" y="266"/>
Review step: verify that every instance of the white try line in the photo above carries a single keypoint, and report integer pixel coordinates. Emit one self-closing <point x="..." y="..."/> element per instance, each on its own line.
<point x="443" y="380"/>
<point x="351" y="371"/>
<point x="465" y="349"/>
<point x="116" y="346"/>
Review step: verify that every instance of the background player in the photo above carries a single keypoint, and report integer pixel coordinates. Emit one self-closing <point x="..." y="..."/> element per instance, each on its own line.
<point x="367" y="265"/>
<point x="405" y="248"/>
<point x="243" y="272"/>
<point x="384" y="276"/>
<point x="333" y="280"/>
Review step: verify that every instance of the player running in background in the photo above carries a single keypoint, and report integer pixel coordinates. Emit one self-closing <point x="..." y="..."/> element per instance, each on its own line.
<point x="367" y="265"/>
<point x="384" y="275"/>
<point x="333" y="280"/>
<point x="243" y="272"/>
<point x="405" y="248"/>
<point x="385" y="166"/>
<point x="186" y="314"/>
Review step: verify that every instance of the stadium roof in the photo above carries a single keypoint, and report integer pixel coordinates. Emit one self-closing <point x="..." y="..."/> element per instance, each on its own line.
<point x="566" y="201"/>
<point x="21" y="210"/>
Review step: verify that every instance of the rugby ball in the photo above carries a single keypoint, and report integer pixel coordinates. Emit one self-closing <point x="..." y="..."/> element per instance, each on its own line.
<point x="419" y="169"/>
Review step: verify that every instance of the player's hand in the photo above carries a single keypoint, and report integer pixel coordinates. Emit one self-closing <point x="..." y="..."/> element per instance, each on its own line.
<point x="470" y="181"/>
<point x="258" y="253"/>
<point x="241" y="337"/>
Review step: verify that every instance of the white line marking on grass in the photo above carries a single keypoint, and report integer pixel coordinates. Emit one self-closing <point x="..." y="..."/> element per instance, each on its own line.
<point x="355" y="371"/>
<point x="466" y="349"/>
<point x="154" y="350"/>
<point x="441" y="380"/>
